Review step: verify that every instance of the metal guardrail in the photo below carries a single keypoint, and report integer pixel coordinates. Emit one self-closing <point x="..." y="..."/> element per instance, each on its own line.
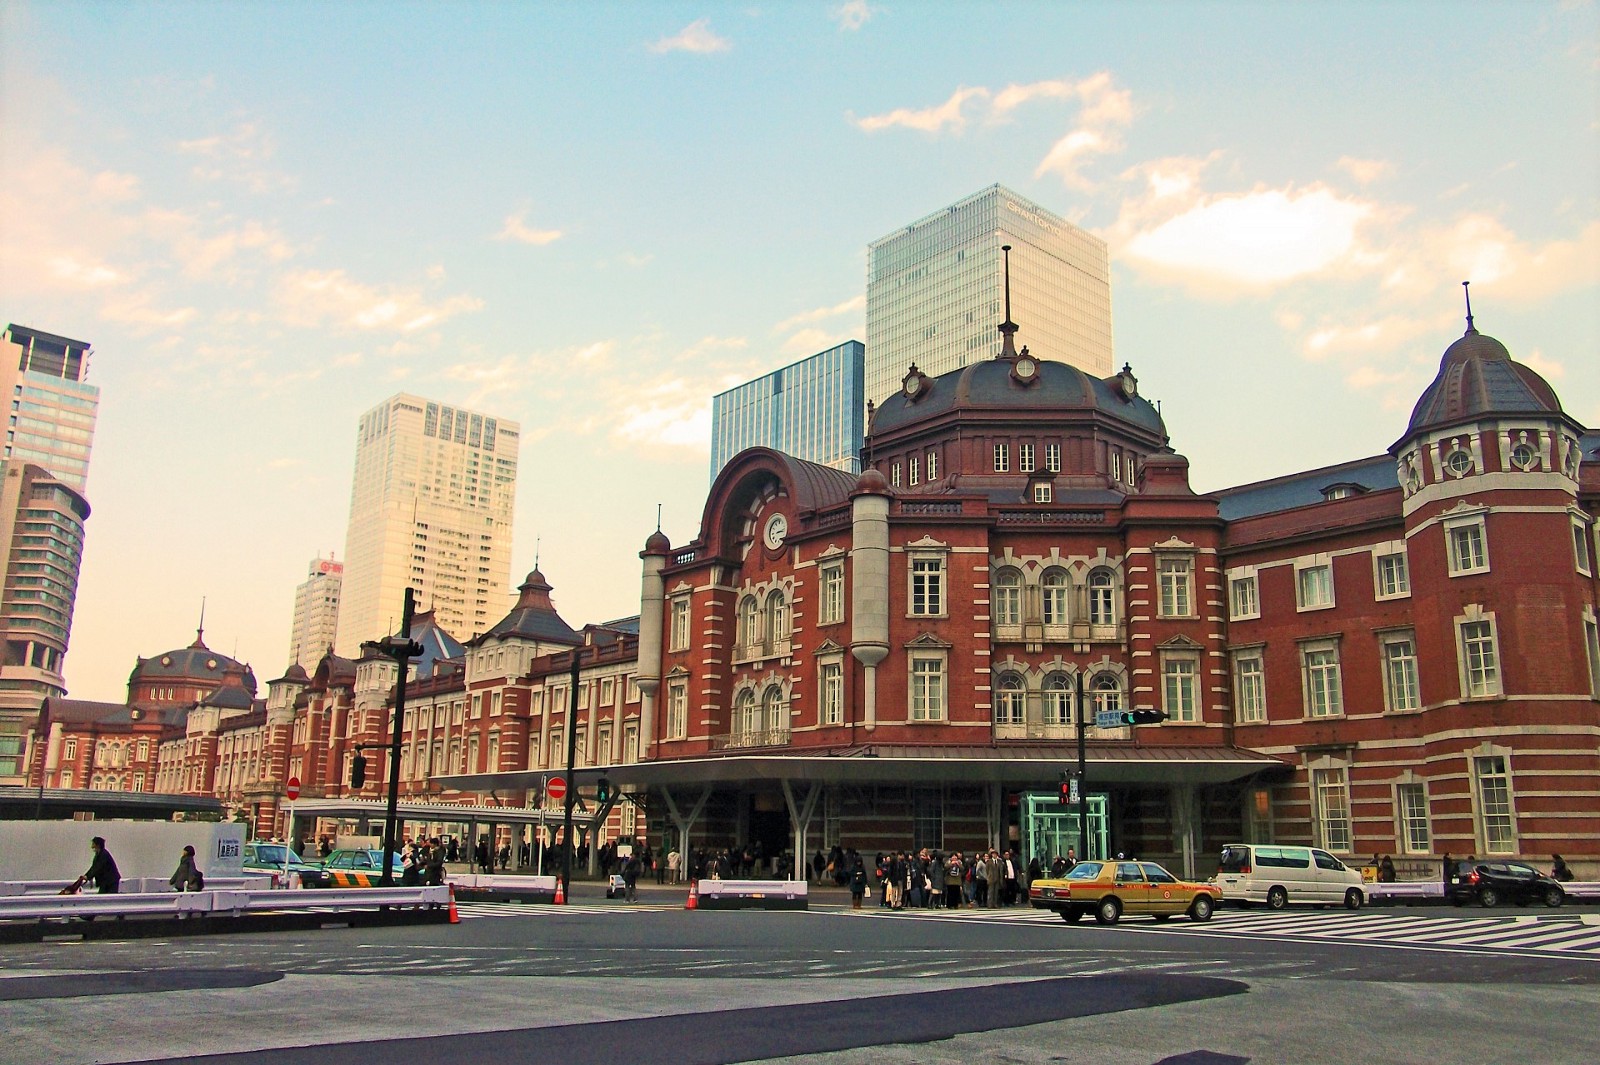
<point x="232" y="902"/>
<point x="136" y="885"/>
<point x="1434" y="889"/>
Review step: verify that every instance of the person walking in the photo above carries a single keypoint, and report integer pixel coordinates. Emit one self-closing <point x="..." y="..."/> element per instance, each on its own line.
<point x="186" y="877"/>
<point x="858" y="885"/>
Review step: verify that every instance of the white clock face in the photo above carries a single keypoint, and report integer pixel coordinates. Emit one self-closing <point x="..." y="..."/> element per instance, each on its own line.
<point x="777" y="529"/>
<point x="913" y="385"/>
<point x="1025" y="367"/>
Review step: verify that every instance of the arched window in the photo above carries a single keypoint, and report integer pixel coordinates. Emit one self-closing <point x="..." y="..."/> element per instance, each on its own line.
<point x="1102" y="598"/>
<point x="1008" y="597"/>
<point x="1106" y="692"/>
<point x="1057" y="700"/>
<point x="749" y="623"/>
<point x="777" y="619"/>
<point x="1010" y="700"/>
<point x="772" y="711"/>
<point x="746" y="712"/>
<point x="1056" y="589"/>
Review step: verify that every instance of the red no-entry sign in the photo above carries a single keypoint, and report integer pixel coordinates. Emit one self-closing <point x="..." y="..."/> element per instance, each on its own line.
<point x="292" y="788"/>
<point x="556" y="787"/>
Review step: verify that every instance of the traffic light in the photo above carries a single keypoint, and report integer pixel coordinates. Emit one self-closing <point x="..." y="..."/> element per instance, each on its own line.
<point x="1143" y="717"/>
<point x="358" y="771"/>
<point x="602" y="791"/>
<point x="1065" y="795"/>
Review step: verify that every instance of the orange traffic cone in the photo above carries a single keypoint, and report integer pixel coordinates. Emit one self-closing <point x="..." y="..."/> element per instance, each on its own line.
<point x="455" y="918"/>
<point x="561" y="892"/>
<point x="694" y="896"/>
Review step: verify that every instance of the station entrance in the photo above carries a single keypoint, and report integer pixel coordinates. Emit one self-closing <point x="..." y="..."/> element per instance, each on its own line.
<point x="1049" y="828"/>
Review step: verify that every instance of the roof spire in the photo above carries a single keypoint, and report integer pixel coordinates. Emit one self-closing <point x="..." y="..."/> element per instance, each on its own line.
<point x="200" y="630"/>
<point x="1008" y="328"/>
<point x="658" y="517"/>
<point x="1468" y="292"/>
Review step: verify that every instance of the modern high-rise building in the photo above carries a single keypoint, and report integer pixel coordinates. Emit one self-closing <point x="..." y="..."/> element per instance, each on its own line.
<point x="41" y="548"/>
<point x="44" y="465"/>
<point x="316" y="613"/>
<point x="53" y="408"/>
<point x="811" y="410"/>
<point x="936" y="290"/>
<point x="430" y="508"/>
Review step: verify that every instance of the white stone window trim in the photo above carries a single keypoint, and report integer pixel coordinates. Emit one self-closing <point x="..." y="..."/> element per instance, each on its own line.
<point x="1582" y="555"/>
<point x="681" y="607"/>
<point x="1591" y="645"/>
<point x="830" y="613"/>
<point x="1317" y="646"/>
<point x="1164" y="609"/>
<point x="1243" y="714"/>
<point x="922" y="554"/>
<point x="1463" y="521"/>
<point x="1052" y="458"/>
<point x="1474" y="614"/>
<point x="677" y="713"/>
<point x="928" y="655"/>
<point x="1388" y="638"/>
<point x="933" y="465"/>
<point x="1339" y="765"/>
<point x="1387" y="550"/>
<point x="1480" y="813"/>
<point x="1402" y="819"/>
<point x="828" y="716"/>
<point x="1041" y="492"/>
<point x="1175" y="656"/>
<point x="1307" y="564"/>
<point x="1002" y="458"/>
<point x="1249" y="576"/>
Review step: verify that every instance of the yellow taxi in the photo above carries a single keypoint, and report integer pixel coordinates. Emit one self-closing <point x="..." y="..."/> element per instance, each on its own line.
<point x="1111" y="889"/>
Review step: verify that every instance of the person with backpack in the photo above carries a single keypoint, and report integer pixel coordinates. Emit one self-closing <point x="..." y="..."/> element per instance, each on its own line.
<point x="187" y="877"/>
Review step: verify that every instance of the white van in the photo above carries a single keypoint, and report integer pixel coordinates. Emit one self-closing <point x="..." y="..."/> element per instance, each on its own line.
<point x="1277" y="876"/>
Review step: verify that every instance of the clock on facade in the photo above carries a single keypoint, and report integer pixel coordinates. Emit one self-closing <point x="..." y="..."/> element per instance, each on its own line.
<point x="777" y="529"/>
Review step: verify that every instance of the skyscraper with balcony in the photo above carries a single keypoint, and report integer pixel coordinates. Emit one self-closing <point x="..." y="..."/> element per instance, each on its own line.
<point x="811" y="409"/>
<point x="430" y="508"/>
<point x="44" y="465"/>
<point x="935" y="290"/>
<point x="316" y="613"/>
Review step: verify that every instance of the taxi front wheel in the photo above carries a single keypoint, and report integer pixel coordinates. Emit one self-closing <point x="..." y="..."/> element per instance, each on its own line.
<point x="1200" y="909"/>
<point x="1109" y="911"/>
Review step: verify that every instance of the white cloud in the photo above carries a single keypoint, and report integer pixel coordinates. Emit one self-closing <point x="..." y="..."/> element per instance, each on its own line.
<point x="1365" y="171"/>
<point x="853" y="305"/>
<point x="852" y="15"/>
<point x="240" y="157"/>
<point x="1259" y="239"/>
<point x="1070" y="153"/>
<point x="516" y="228"/>
<point x="314" y="298"/>
<point x="1547" y="368"/>
<point x="1364" y="339"/>
<point x="1482" y="249"/>
<point x="696" y="37"/>
<point x="928" y="119"/>
<point x="808" y="341"/>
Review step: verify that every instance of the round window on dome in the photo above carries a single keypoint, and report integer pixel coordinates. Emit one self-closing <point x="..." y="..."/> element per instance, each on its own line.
<point x="1522" y="457"/>
<point x="1459" y="463"/>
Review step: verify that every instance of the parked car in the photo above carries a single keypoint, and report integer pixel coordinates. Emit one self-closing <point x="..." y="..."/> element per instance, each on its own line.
<point x="263" y="858"/>
<point x="1490" y="883"/>
<point x="1111" y="889"/>
<point x="357" y="868"/>
<point x="1249" y="873"/>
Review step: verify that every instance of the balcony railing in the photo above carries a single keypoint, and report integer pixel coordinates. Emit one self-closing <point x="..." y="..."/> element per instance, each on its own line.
<point x="762" y="737"/>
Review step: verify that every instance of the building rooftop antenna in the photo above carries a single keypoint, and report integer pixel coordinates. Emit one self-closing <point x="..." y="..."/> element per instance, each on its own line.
<point x="1008" y="328"/>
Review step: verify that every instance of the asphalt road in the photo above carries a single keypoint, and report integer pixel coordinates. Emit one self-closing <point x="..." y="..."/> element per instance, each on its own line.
<point x="639" y="985"/>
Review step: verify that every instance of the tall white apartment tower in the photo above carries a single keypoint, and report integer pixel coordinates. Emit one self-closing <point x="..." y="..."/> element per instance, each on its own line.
<point x="430" y="507"/>
<point x="316" y="613"/>
<point x="935" y="290"/>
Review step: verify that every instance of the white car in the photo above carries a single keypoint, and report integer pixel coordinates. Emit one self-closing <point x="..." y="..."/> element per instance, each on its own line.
<point x="1278" y="876"/>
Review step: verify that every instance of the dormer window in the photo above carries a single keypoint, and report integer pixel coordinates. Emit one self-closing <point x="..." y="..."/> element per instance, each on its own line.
<point x="1342" y="490"/>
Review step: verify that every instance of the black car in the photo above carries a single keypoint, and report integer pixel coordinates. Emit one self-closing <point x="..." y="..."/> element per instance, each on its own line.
<point x="1490" y="883"/>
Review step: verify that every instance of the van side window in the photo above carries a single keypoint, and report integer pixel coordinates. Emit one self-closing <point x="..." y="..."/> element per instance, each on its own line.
<point x="1234" y="859"/>
<point x="1326" y="861"/>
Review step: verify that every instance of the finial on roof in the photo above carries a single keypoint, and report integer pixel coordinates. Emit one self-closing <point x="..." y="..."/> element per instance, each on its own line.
<point x="536" y="552"/>
<point x="1008" y="328"/>
<point x="658" y="517"/>
<point x="200" y="630"/>
<point x="1466" y="289"/>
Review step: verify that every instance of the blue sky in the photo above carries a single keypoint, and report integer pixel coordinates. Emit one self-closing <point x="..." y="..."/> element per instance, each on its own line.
<point x="591" y="218"/>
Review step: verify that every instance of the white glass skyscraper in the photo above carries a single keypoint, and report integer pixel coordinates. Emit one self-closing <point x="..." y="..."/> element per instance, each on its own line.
<point x="430" y="507"/>
<point x="935" y="290"/>
<point x="811" y="409"/>
<point x="316" y="613"/>
<point x="53" y="408"/>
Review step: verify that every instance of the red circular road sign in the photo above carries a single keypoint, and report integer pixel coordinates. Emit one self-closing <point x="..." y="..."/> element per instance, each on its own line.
<point x="556" y="787"/>
<point x="292" y="788"/>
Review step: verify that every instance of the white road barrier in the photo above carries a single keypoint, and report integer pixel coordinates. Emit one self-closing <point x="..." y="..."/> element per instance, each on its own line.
<point x="228" y="901"/>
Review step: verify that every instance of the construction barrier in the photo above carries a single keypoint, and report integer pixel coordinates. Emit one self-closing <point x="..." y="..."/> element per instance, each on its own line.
<point x="750" y="895"/>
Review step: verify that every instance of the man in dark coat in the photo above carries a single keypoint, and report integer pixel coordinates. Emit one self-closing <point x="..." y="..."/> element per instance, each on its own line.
<point x="102" y="872"/>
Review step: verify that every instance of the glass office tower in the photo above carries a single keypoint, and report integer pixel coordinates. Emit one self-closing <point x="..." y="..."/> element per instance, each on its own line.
<point x="811" y="410"/>
<point x="936" y="293"/>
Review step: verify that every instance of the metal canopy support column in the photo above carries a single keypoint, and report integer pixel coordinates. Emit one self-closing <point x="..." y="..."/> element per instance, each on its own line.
<point x="685" y="825"/>
<point x="1183" y="825"/>
<point x="993" y="812"/>
<point x="801" y="820"/>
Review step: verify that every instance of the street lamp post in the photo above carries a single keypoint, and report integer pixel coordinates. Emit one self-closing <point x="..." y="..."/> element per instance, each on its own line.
<point x="1083" y="777"/>
<point x="402" y="648"/>
<point x="572" y="789"/>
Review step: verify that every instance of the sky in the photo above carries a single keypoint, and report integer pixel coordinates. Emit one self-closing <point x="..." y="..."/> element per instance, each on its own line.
<point x="590" y="218"/>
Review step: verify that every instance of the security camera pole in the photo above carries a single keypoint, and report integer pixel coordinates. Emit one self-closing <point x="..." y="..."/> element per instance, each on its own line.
<point x="402" y="648"/>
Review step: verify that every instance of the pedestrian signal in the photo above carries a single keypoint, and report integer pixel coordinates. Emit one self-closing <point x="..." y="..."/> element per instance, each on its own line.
<point x="602" y="791"/>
